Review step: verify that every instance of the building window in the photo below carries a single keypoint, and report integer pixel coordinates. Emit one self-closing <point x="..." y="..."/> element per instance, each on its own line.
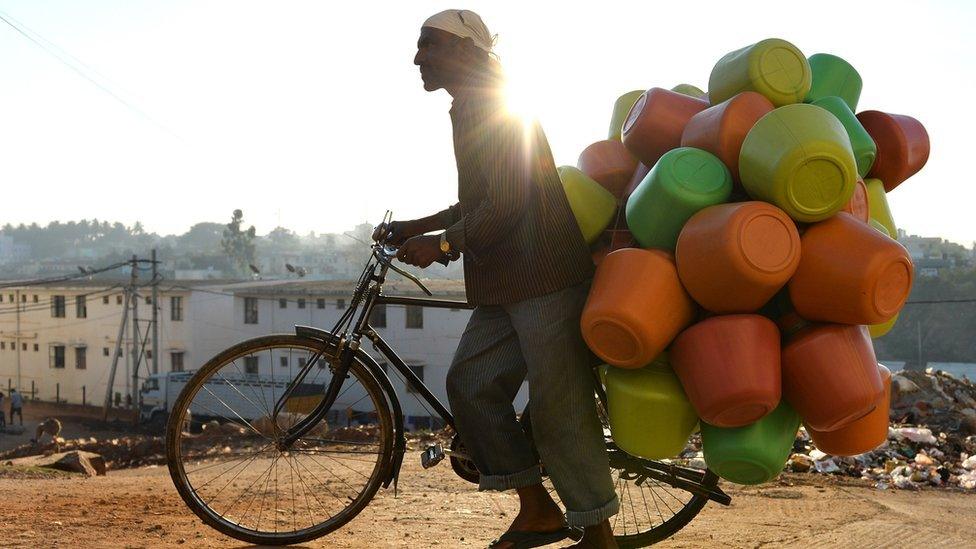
<point x="23" y="298"/>
<point x="176" y="361"/>
<point x="301" y="303"/>
<point x="320" y="363"/>
<point x="176" y="308"/>
<point x="283" y="361"/>
<point x="377" y="318"/>
<point x="417" y="371"/>
<point x="282" y="303"/>
<point x="57" y="306"/>
<point x="105" y="351"/>
<point x="3" y="344"/>
<point x="57" y="356"/>
<point x="148" y="300"/>
<point x="104" y="300"/>
<point x="118" y="299"/>
<point x="23" y="346"/>
<point x="37" y="347"/>
<point x="251" y="365"/>
<point x="250" y="310"/>
<point x="11" y="296"/>
<point x="81" y="306"/>
<point x="81" y="358"/>
<point x="35" y="298"/>
<point x="340" y="304"/>
<point x="415" y="316"/>
<point x="320" y="303"/>
<point x="1" y="298"/>
<point x="301" y="362"/>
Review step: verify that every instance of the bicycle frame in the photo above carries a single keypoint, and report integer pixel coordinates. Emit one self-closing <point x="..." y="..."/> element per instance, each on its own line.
<point x="369" y="294"/>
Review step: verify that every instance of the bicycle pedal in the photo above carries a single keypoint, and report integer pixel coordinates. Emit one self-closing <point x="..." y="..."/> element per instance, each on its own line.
<point x="432" y="456"/>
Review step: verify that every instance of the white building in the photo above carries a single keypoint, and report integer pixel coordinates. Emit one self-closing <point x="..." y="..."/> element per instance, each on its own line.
<point x="58" y="340"/>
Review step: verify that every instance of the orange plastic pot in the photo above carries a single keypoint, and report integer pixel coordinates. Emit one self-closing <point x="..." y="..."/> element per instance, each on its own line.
<point x="721" y="129"/>
<point x="732" y="258"/>
<point x="656" y="121"/>
<point x="830" y="375"/>
<point x="635" y="308"/>
<point x="903" y="146"/>
<point x="858" y="205"/>
<point x="610" y="164"/>
<point x="729" y="367"/>
<point x="850" y="273"/>
<point x="863" y="435"/>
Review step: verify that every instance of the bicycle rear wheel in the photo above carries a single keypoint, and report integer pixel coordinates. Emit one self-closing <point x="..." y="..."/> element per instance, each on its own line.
<point x="227" y="459"/>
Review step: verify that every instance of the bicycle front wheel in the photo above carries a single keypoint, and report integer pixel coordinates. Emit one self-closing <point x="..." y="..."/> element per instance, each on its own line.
<point x="227" y="459"/>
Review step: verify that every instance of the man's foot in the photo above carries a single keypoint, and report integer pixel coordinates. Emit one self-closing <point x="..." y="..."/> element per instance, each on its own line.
<point x="599" y="536"/>
<point x="537" y="513"/>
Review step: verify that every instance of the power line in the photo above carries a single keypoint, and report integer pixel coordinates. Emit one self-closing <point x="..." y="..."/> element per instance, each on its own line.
<point x="27" y="33"/>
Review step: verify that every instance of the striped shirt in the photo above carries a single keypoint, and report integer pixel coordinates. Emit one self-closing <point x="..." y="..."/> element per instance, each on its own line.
<point x="512" y="222"/>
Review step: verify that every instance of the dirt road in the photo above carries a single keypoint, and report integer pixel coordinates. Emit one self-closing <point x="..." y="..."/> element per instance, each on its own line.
<point x="140" y="508"/>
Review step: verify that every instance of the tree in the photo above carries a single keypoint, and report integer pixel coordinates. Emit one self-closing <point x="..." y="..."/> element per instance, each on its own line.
<point x="238" y="244"/>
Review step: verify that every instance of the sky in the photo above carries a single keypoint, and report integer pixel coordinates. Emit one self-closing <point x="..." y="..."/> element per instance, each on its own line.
<point x="311" y="115"/>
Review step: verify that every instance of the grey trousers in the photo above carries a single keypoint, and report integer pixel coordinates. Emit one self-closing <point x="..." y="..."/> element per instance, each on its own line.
<point x="538" y="339"/>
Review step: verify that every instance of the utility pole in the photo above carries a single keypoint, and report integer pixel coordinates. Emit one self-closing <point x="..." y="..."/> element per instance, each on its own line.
<point x="135" y="333"/>
<point x="17" y="341"/>
<point x="115" y="356"/>
<point x="918" y="331"/>
<point x="155" y="314"/>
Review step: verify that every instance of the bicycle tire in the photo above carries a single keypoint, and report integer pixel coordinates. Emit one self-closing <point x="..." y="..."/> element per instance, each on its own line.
<point x="210" y="517"/>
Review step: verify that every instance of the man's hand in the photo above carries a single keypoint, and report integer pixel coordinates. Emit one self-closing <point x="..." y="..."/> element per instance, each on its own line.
<point x="396" y="232"/>
<point x="420" y="251"/>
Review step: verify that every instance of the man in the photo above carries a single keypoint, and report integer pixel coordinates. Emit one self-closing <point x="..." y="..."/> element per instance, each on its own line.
<point x="528" y="271"/>
<point x="16" y="406"/>
<point x="3" y="415"/>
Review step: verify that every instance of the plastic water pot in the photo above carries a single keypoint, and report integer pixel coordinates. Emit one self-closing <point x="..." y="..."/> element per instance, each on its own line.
<point x="729" y="367"/>
<point x="592" y="205"/>
<point x="850" y="273"/>
<point x="780" y="310"/>
<point x="862" y="144"/>
<point x="620" y="109"/>
<point x="799" y="158"/>
<point x="755" y="453"/>
<point x="772" y="67"/>
<point x="732" y="258"/>
<point x="635" y="308"/>
<point x="903" y="146"/>
<point x="859" y="206"/>
<point x="650" y="416"/>
<point x="608" y="163"/>
<point x="830" y="375"/>
<point x="721" y="129"/>
<point x="831" y="75"/>
<point x="682" y="182"/>
<point x="863" y="435"/>
<point x="639" y="174"/>
<point x="878" y="208"/>
<point x="881" y="330"/>
<point x="689" y="90"/>
<point x="654" y="124"/>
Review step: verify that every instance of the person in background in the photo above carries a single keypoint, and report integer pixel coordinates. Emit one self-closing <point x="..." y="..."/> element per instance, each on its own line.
<point x="528" y="271"/>
<point x="16" y="406"/>
<point x="3" y="416"/>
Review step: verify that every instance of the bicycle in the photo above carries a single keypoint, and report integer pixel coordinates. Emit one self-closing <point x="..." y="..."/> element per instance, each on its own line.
<point x="291" y="421"/>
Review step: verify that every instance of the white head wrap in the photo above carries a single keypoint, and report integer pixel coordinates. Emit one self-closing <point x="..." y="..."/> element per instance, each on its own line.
<point x="465" y="24"/>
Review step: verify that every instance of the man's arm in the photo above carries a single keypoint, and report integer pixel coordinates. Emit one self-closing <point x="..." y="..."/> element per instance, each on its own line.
<point x="507" y="165"/>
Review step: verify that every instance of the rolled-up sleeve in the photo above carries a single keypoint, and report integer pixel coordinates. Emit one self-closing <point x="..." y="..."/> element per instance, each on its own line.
<point x="506" y="165"/>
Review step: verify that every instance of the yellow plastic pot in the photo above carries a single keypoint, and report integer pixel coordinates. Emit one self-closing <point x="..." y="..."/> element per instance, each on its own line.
<point x="878" y="208"/>
<point x="773" y="67"/>
<point x="592" y="205"/>
<point x="621" y="108"/>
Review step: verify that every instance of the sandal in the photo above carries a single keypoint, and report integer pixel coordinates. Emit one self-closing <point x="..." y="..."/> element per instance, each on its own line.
<point x="521" y="539"/>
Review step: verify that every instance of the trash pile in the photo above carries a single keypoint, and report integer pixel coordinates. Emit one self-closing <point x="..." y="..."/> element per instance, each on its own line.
<point x="745" y="257"/>
<point x="118" y="453"/>
<point x="931" y="442"/>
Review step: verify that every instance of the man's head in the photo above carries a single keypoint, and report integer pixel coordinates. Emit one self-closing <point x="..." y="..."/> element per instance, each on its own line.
<point x="452" y="45"/>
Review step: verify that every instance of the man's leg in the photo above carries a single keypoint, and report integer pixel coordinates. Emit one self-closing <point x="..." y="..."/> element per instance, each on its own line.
<point x="565" y="425"/>
<point x="485" y="376"/>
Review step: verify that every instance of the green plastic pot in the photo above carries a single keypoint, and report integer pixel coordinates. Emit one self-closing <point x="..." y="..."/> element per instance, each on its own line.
<point x="684" y="181"/>
<point x="862" y="145"/>
<point x="832" y="76"/>
<point x="753" y="454"/>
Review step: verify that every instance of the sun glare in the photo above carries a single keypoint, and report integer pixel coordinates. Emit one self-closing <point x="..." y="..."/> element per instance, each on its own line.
<point x="520" y="97"/>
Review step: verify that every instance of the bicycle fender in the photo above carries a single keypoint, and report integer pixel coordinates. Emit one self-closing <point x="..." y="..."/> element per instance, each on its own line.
<point x="400" y="442"/>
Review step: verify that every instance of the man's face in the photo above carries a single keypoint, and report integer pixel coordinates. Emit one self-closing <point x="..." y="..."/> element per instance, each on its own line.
<point x="438" y="56"/>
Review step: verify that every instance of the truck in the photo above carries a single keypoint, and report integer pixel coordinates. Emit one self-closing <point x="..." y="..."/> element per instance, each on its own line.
<point x="249" y="395"/>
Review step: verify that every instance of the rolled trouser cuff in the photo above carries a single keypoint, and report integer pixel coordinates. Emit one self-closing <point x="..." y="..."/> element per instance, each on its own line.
<point x="521" y="479"/>
<point x="582" y="519"/>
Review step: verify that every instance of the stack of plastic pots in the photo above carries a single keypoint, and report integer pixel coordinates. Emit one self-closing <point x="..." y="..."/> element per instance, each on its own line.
<point x="746" y="254"/>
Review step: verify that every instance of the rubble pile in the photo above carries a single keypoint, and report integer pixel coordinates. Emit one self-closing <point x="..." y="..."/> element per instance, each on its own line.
<point x="931" y="441"/>
<point x="118" y="453"/>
